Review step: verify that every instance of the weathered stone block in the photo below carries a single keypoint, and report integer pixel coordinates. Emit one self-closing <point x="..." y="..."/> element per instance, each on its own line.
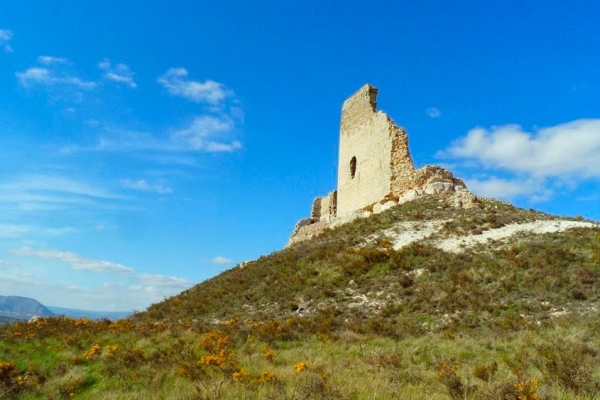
<point x="381" y="207"/>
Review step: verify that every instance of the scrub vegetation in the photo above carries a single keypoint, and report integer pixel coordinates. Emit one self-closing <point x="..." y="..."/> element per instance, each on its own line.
<point x="339" y="317"/>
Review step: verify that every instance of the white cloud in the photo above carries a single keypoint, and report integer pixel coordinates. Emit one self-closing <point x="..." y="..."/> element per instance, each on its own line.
<point x="60" y="231"/>
<point x="151" y="283"/>
<point x="126" y="140"/>
<point x="176" y="81"/>
<point x="518" y="163"/>
<point x="45" y="77"/>
<point x="202" y="135"/>
<point x="174" y="159"/>
<point x="510" y="189"/>
<point x="5" y="36"/>
<point x="121" y="73"/>
<point x="37" y="192"/>
<point x="128" y="293"/>
<point x="48" y="60"/>
<point x="148" y="281"/>
<point x="13" y="231"/>
<point x="77" y="262"/>
<point x="143" y="185"/>
<point x="33" y="272"/>
<point x="569" y="149"/>
<point x="221" y="260"/>
<point x="30" y="186"/>
<point x="198" y="135"/>
<point x="433" y="112"/>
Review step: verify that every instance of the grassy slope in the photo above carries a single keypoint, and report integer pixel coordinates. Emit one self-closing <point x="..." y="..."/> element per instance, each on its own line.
<point x="334" y="275"/>
<point x="511" y="321"/>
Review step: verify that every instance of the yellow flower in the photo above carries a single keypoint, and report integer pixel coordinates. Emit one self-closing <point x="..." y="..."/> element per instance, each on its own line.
<point x="94" y="351"/>
<point x="111" y="350"/>
<point x="268" y="354"/>
<point x="301" y="366"/>
<point x="210" y="359"/>
<point x="527" y="390"/>
<point x="242" y="375"/>
<point x="22" y="379"/>
<point x="266" y="377"/>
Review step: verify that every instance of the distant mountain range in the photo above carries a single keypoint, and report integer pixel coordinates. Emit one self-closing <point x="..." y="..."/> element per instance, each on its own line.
<point x="15" y="308"/>
<point x="73" y="313"/>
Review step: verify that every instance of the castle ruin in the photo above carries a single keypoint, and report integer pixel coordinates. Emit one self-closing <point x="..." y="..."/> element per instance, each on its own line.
<point x="375" y="170"/>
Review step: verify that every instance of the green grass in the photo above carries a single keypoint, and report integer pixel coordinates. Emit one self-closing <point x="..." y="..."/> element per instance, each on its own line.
<point x="561" y="355"/>
<point x="516" y="320"/>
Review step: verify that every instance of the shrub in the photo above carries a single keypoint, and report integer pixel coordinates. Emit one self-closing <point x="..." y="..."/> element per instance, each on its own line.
<point x="485" y="372"/>
<point x="578" y="294"/>
<point x="448" y="375"/>
<point x="571" y="364"/>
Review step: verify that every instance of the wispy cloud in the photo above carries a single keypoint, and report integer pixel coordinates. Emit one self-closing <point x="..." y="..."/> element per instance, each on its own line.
<point x="36" y="192"/>
<point x="152" y="283"/>
<point x="221" y="260"/>
<point x="125" y="140"/>
<point x="144" y="186"/>
<point x="120" y="73"/>
<point x="36" y="183"/>
<point x="202" y="135"/>
<point x="13" y="231"/>
<point x="433" y="112"/>
<point x="207" y="132"/>
<point x="199" y="135"/>
<point x="125" y="288"/>
<point x="176" y="81"/>
<point x="77" y="262"/>
<point x="5" y="36"/>
<point x="40" y="76"/>
<point x="534" y="163"/>
<point x="52" y="71"/>
<point x="49" y="60"/>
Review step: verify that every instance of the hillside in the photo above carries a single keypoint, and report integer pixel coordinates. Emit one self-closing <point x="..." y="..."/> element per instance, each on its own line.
<point x="423" y="260"/>
<point x="422" y="301"/>
<point x="17" y="307"/>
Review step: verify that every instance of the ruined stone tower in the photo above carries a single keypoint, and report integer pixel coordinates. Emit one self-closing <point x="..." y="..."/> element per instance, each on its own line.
<point x="373" y="150"/>
<point x="375" y="170"/>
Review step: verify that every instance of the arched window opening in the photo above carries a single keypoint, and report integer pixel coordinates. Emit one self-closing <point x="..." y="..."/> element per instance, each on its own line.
<point x="353" y="167"/>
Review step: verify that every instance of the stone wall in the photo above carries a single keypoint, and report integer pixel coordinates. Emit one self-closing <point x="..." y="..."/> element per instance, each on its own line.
<point x="329" y="206"/>
<point x="324" y="208"/>
<point x="364" y="163"/>
<point x="375" y="171"/>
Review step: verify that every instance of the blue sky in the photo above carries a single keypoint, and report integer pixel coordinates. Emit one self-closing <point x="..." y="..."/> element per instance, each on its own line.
<point x="148" y="146"/>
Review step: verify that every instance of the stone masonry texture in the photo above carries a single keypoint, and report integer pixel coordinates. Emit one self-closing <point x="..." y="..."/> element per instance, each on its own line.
<point x="375" y="170"/>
